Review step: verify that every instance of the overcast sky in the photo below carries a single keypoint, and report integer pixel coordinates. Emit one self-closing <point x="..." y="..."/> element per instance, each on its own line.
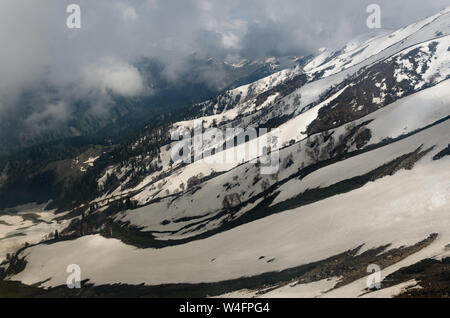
<point x="37" y="48"/>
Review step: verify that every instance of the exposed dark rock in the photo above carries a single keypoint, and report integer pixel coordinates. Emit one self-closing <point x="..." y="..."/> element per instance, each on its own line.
<point x="442" y="153"/>
<point x="360" y="98"/>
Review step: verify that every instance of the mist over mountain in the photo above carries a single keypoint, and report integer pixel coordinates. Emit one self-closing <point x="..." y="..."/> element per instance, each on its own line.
<point x="127" y="98"/>
<point x="59" y="82"/>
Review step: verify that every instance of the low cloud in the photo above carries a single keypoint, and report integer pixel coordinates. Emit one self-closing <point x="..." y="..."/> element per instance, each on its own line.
<point x="40" y="120"/>
<point x="114" y="76"/>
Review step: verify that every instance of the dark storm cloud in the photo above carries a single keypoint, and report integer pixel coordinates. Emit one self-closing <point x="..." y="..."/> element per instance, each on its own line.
<point x="37" y="49"/>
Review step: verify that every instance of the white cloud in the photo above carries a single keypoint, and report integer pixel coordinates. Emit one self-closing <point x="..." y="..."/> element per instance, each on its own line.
<point x="130" y="14"/>
<point x="230" y="40"/>
<point x="116" y="76"/>
<point x="51" y="115"/>
<point x="127" y="12"/>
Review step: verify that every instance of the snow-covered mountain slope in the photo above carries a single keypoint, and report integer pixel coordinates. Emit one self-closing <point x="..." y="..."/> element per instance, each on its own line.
<point x="167" y="214"/>
<point x="363" y="178"/>
<point x="370" y="90"/>
<point x="300" y="236"/>
<point x="31" y="225"/>
<point x="285" y="94"/>
<point x="354" y="53"/>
